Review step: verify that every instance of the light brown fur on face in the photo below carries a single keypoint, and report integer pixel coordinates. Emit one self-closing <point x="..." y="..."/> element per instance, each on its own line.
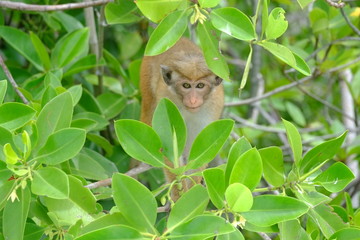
<point x="182" y="75"/>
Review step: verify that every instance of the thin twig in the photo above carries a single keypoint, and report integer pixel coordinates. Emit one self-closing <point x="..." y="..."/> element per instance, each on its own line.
<point x="256" y="126"/>
<point x="264" y="236"/>
<point x="355" y="29"/>
<point x="12" y="81"/>
<point x="46" y="8"/>
<point x="341" y="67"/>
<point x="336" y="4"/>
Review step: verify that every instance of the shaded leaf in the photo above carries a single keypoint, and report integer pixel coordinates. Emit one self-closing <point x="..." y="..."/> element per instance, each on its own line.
<point x="15" y="115"/>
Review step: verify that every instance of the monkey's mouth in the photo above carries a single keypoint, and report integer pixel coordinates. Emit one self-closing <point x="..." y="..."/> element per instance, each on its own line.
<point x="193" y="109"/>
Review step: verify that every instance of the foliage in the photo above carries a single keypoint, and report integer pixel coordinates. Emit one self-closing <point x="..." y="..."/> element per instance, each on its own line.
<point x="81" y="124"/>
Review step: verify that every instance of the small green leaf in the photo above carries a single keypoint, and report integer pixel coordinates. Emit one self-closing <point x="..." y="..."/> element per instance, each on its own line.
<point x="280" y="51"/>
<point x="301" y="65"/>
<point x="303" y="4"/>
<point x="269" y="209"/>
<point x="239" y="197"/>
<point x="41" y="50"/>
<point x="277" y="24"/>
<point x="295" y="113"/>
<point x="51" y="182"/>
<point x="215" y="185"/>
<point x="111" y="104"/>
<point x="3" y="88"/>
<point x="247" y="69"/>
<point x="273" y="165"/>
<point x="335" y="178"/>
<point x="10" y="155"/>
<point x="140" y="141"/>
<point x="168" y="123"/>
<point x="321" y="153"/>
<point x="233" y="22"/>
<point x="294" y="139"/>
<point x="61" y="146"/>
<point x="15" y="115"/>
<point x="156" y="10"/>
<point x="82" y="64"/>
<point x="209" y="41"/>
<point x="189" y="205"/>
<point x="247" y="169"/>
<point x="117" y="232"/>
<point x="167" y="33"/>
<point x="135" y="202"/>
<point x="235" y="235"/>
<point x="122" y="12"/>
<point x="6" y="188"/>
<point x="202" y="227"/>
<point x="293" y="230"/>
<point x="346" y="234"/>
<point x="208" y="3"/>
<point x="209" y="142"/>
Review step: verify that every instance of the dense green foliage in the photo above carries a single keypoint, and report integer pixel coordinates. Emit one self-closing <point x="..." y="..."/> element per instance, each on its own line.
<point x="73" y="121"/>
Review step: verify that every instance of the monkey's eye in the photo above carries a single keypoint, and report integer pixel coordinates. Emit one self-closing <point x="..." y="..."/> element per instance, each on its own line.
<point x="200" y="85"/>
<point x="186" y="85"/>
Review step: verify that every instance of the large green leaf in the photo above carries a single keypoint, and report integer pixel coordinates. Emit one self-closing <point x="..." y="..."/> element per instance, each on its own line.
<point x="202" y="227"/>
<point x="209" y="41"/>
<point x="235" y="235"/>
<point x="320" y="153"/>
<point x="55" y="115"/>
<point x="80" y="204"/>
<point x="3" y="88"/>
<point x="293" y="230"/>
<point x="346" y="234"/>
<point x="118" y="232"/>
<point x="269" y="209"/>
<point x="156" y="10"/>
<point x="209" y="142"/>
<point x="273" y="165"/>
<point x="41" y="50"/>
<point x="15" y="115"/>
<point x="237" y="149"/>
<point x="135" y="202"/>
<point x="277" y="23"/>
<point x="111" y="104"/>
<point x="140" y="141"/>
<point x="61" y="146"/>
<point x="15" y="214"/>
<point x="189" y="205"/>
<point x="22" y="43"/>
<point x="51" y="182"/>
<point x="239" y="197"/>
<point x="335" y="178"/>
<point x="248" y="169"/>
<point x="107" y="220"/>
<point x="5" y="188"/>
<point x="294" y="139"/>
<point x="71" y="46"/>
<point x="170" y="126"/>
<point x="122" y="12"/>
<point x="233" y="22"/>
<point x="215" y="185"/>
<point x="167" y="33"/>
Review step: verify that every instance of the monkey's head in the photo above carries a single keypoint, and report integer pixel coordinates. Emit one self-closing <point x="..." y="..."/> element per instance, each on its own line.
<point x="191" y="84"/>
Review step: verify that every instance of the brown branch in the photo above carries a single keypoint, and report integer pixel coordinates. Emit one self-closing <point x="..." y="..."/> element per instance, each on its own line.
<point x="336" y="4"/>
<point x="46" y="8"/>
<point x="12" y="81"/>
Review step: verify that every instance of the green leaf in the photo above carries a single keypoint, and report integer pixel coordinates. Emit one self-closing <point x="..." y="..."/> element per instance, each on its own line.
<point x="202" y="227"/>
<point x="304" y="3"/>
<point x="6" y="189"/>
<point x="277" y="24"/>
<point x="107" y="220"/>
<point x="301" y="65"/>
<point x="247" y="169"/>
<point x="118" y="232"/>
<point x="321" y="153"/>
<point x="22" y="43"/>
<point x="247" y="69"/>
<point x="55" y="115"/>
<point x="294" y="139"/>
<point x="215" y="185"/>
<point x="295" y="113"/>
<point x="237" y="149"/>
<point x="10" y="155"/>
<point x="76" y="92"/>
<point x="3" y="88"/>
<point x="135" y="202"/>
<point x="15" y="215"/>
<point x="346" y="234"/>
<point x="156" y="10"/>
<point x="273" y="165"/>
<point x="140" y="141"/>
<point x="209" y="41"/>
<point x="15" y="115"/>
<point x="335" y="178"/>
<point x="122" y="12"/>
<point x="328" y="221"/>
<point x="69" y="22"/>
<point x="239" y="197"/>
<point x="279" y="51"/>
<point x="41" y="50"/>
<point x="80" y="204"/>
<point x="209" y="142"/>
<point x="167" y="33"/>
<point x="51" y="182"/>
<point x="264" y="17"/>
<point x="169" y="124"/>
<point x="33" y="231"/>
<point x="235" y="235"/>
<point x="269" y="209"/>
<point x="102" y="142"/>
<point x="82" y="64"/>
<point x="208" y="3"/>
<point x="61" y="146"/>
<point x="71" y="46"/>
<point x="189" y="205"/>
<point x="111" y="104"/>
<point x="293" y="230"/>
<point x="233" y="22"/>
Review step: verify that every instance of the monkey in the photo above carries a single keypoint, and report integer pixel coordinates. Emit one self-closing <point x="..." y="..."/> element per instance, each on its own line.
<point x="181" y="75"/>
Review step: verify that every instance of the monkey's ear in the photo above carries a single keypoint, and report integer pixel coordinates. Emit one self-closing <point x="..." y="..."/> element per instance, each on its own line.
<point x="218" y="80"/>
<point x="166" y="73"/>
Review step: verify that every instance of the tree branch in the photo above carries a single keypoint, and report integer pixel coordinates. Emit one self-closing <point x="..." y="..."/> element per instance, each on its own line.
<point x="12" y="81"/>
<point x="46" y="8"/>
<point x="355" y="29"/>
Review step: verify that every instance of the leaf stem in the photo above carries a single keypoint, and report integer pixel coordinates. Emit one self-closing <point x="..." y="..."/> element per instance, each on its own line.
<point x="302" y="178"/>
